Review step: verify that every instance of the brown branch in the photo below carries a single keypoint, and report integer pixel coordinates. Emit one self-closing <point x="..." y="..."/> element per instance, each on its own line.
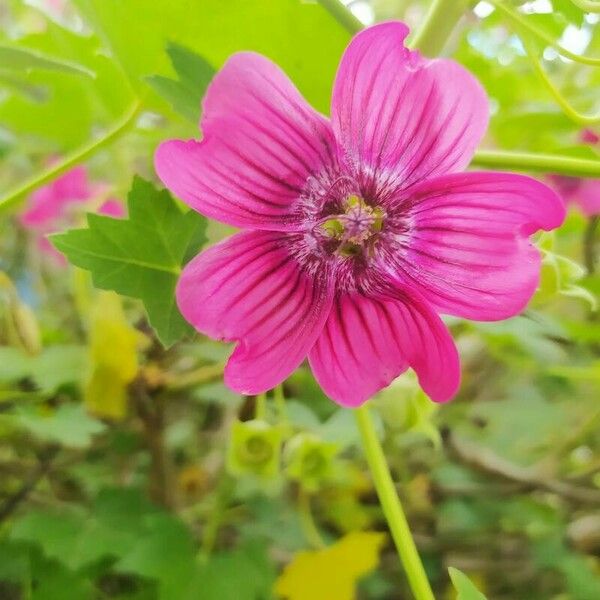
<point x="150" y="409"/>
<point x="532" y="477"/>
<point x="44" y="462"/>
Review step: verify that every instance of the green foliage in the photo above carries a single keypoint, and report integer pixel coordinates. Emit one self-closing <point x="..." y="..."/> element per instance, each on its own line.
<point x="129" y="471"/>
<point x="141" y="256"/>
<point x="301" y="37"/>
<point x="19" y="59"/>
<point x="68" y="424"/>
<point x="185" y="93"/>
<point x="54" y="367"/>
<point x="54" y="110"/>
<point x="125" y="537"/>
<point x="464" y="587"/>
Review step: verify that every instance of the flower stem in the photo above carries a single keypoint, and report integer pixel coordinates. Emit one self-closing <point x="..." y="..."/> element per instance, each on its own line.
<point x="260" y="409"/>
<point x="342" y="15"/>
<point x="543" y="163"/>
<point x="587" y="5"/>
<point x="311" y="531"/>
<point x="577" y="117"/>
<point x="439" y="23"/>
<point x="279" y="397"/>
<point x="13" y="198"/>
<point x="430" y="39"/>
<point x="525" y="25"/>
<point x="392" y="508"/>
<point x="589" y="244"/>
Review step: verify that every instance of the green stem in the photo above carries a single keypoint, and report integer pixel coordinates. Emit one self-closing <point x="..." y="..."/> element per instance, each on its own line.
<point x="430" y="40"/>
<point x="215" y="520"/>
<point x="311" y="531"/>
<point x="521" y="22"/>
<point x="279" y="398"/>
<point x="392" y="508"/>
<point x="587" y="5"/>
<point x="342" y="15"/>
<point x="439" y="23"/>
<point x="260" y="408"/>
<point x="541" y="163"/>
<point x="12" y="198"/>
<point x="574" y="115"/>
<point x="589" y="244"/>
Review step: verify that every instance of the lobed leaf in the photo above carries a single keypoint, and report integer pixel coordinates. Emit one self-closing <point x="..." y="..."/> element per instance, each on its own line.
<point x="185" y="93"/>
<point x="141" y="256"/>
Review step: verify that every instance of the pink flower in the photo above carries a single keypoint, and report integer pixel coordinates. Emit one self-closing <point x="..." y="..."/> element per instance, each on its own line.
<point x="50" y="208"/>
<point x="358" y="230"/>
<point x="583" y="192"/>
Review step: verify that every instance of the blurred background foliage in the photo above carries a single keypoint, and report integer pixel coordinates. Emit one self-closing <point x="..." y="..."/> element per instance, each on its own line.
<point x="127" y="469"/>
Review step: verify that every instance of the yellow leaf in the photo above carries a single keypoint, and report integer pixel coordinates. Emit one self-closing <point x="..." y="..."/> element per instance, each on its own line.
<point x="332" y="573"/>
<point x="113" y="358"/>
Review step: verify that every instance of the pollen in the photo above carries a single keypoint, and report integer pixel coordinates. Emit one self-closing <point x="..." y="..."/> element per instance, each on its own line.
<point x="356" y="227"/>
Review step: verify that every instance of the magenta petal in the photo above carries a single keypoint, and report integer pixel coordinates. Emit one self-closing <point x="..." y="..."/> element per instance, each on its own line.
<point x="587" y="197"/>
<point x="468" y="250"/>
<point x="403" y="116"/>
<point x="261" y="143"/>
<point x="368" y="342"/>
<point x="47" y="205"/>
<point x="249" y="289"/>
<point x="112" y="208"/>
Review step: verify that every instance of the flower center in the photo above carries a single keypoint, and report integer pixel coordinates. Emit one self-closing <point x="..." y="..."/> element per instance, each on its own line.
<point x="356" y="228"/>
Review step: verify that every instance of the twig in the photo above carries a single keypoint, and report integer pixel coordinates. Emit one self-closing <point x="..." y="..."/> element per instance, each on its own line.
<point x="151" y="412"/>
<point x="533" y="477"/>
<point x="204" y="374"/>
<point x="12" y="502"/>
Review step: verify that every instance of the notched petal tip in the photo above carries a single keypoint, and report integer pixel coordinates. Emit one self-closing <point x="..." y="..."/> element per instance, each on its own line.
<point x="369" y="341"/>
<point x="249" y="289"/>
<point x="397" y="31"/>
<point x="403" y="117"/>
<point x="170" y="160"/>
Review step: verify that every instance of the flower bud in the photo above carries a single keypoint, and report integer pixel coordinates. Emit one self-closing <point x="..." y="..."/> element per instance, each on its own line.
<point x="309" y="460"/>
<point x="559" y="275"/>
<point x="404" y="407"/>
<point x="254" y="449"/>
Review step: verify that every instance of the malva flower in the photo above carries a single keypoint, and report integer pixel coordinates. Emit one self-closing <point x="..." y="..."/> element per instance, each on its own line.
<point x="585" y="193"/>
<point x="357" y="231"/>
<point x="50" y="208"/>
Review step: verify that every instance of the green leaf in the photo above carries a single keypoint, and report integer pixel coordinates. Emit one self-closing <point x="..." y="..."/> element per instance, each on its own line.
<point x="140" y="256"/>
<point x="14" y="83"/>
<point x="300" y="36"/>
<point x="242" y="574"/>
<point x="184" y="94"/>
<point x="463" y="585"/>
<point x="69" y="109"/>
<point x="153" y="557"/>
<point x="54" y="532"/>
<point x="54" y="367"/>
<point x="68" y="425"/>
<point x="24" y="59"/>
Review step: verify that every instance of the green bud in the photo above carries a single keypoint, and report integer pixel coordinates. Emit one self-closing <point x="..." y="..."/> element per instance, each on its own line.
<point x="254" y="449"/>
<point x="309" y="460"/>
<point x="404" y="407"/>
<point x="559" y="276"/>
